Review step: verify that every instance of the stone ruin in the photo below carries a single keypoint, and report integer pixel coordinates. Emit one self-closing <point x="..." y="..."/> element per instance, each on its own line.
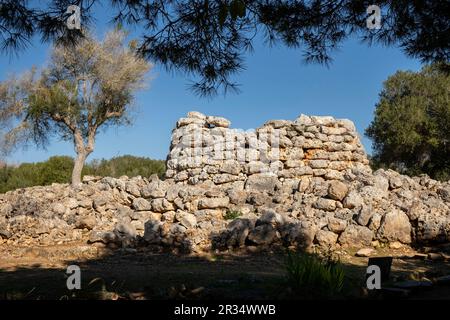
<point x="205" y="148"/>
<point x="304" y="183"/>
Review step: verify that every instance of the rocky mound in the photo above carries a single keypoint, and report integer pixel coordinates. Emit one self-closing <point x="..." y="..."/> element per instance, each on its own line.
<point x="313" y="194"/>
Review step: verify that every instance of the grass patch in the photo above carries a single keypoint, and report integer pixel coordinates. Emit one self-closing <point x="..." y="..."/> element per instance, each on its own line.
<point x="232" y="214"/>
<point x="307" y="273"/>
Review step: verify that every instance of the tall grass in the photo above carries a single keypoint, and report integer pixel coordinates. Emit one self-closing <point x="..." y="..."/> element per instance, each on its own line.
<point x="307" y="273"/>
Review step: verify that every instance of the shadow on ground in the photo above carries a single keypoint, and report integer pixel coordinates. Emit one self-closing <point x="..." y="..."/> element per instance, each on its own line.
<point x="144" y="274"/>
<point x="40" y="273"/>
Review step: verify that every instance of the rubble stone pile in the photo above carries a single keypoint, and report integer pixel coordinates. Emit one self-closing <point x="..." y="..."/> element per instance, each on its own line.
<point x="301" y="183"/>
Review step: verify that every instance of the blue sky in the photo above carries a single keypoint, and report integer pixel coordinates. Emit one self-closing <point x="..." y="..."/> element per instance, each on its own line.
<point x="275" y="85"/>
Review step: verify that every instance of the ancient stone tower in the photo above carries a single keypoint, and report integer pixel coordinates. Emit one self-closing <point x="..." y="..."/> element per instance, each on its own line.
<point x="205" y="148"/>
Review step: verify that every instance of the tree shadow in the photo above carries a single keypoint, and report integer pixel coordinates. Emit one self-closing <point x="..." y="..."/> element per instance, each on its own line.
<point x="148" y="271"/>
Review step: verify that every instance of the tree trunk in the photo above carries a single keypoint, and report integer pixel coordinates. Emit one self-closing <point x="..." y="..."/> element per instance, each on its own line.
<point x="83" y="151"/>
<point x="77" y="168"/>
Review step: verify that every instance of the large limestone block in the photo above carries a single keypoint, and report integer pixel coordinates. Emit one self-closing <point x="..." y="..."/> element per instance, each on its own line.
<point x="356" y="236"/>
<point x="395" y="226"/>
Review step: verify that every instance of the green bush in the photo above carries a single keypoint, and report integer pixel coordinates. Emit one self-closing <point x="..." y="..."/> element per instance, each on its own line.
<point x="56" y="169"/>
<point x="59" y="169"/>
<point x="126" y="165"/>
<point x="23" y="176"/>
<point x="411" y="127"/>
<point x="307" y="273"/>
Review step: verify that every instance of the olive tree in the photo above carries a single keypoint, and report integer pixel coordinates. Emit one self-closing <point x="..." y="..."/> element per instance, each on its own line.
<point x="83" y="88"/>
<point x="411" y="127"/>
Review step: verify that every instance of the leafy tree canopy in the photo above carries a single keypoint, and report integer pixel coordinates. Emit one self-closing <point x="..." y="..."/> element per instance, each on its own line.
<point x="208" y="38"/>
<point x="411" y="128"/>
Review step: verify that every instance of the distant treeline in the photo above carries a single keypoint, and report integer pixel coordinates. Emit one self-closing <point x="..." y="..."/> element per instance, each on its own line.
<point x="59" y="169"/>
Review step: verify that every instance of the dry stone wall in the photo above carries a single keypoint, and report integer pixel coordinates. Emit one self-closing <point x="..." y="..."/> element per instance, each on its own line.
<point x="205" y="148"/>
<point x="298" y="183"/>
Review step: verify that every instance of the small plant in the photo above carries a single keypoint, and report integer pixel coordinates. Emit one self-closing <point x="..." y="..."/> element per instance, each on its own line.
<point x="310" y="273"/>
<point x="232" y="214"/>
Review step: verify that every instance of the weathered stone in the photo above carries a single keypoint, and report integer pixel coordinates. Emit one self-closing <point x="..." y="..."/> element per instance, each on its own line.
<point x="263" y="234"/>
<point x="156" y="189"/>
<point x="102" y="236"/>
<point x="196" y="115"/>
<point x="334" y="175"/>
<point x="256" y="167"/>
<point x="224" y="178"/>
<point x="395" y="245"/>
<point x="364" y="215"/>
<point x="444" y="193"/>
<point x="218" y="121"/>
<point x="381" y="182"/>
<point x="333" y="130"/>
<point x="86" y="223"/>
<point x="416" y="210"/>
<point x="293" y="163"/>
<point x="354" y="236"/>
<point x="181" y="176"/>
<point x="353" y="200"/>
<point x="304" y="184"/>
<point x="125" y="229"/>
<point x="85" y="203"/>
<point x="140" y="204"/>
<point x="213" y="203"/>
<point x="301" y="234"/>
<point x="336" y="225"/>
<point x="133" y="189"/>
<point x="262" y="183"/>
<point x="259" y="199"/>
<point x="270" y="217"/>
<point x="187" y="220"/>
<point x="4" y="233"/>
<point x="99" y="202"/>
<point x="278" y="123"/>
<point x="152" y="230"/>
<point x="395" y="182"/>
<point x="71" y="203"/>
<point x="231" y="167"/>
<point x="325" y="204"/>
<point x="87" y="179"/>
<point x="395" y="226"/>
<point x="365" y="252"/>
<point x="177" y="229"/>
<point x="326" y="238"/>
<point x="433" y="228"/>
<point x="337" y="190"/>
<point x="375" y="222"/>
<point x="161" y="205"/>
<point x="318" y="164"/>
<point x="59" y="208"/>
<point x="237" y="196"/>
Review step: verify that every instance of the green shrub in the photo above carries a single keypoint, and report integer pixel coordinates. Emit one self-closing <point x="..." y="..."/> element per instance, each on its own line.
<point x="25" y="175"/>
<point x="127" y="165"/>
<point x="307" y="273"/>
<point x="411" y="126"/>
<point x="58" y="169"/>
<point x="232" y="214"/>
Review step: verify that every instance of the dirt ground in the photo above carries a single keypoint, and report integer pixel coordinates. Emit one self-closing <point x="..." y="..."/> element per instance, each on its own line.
<point x="40" y="273"/>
